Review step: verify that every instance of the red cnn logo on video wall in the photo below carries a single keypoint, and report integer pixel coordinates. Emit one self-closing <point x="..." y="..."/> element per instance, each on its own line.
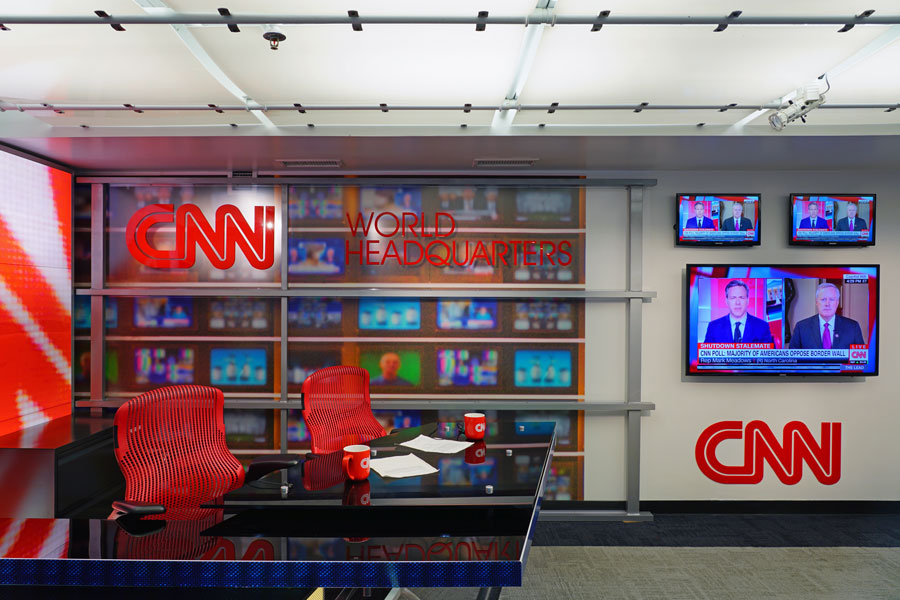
<point x="786" y="458"/>
<point x="193" y="230"/>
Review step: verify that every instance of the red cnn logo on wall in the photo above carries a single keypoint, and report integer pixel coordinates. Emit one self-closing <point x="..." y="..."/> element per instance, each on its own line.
<point x="786" y="458"/>
<point x="192" y="230"/>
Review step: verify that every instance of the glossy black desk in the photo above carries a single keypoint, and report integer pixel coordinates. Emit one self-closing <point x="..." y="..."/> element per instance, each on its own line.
<point x="415" y="538"/>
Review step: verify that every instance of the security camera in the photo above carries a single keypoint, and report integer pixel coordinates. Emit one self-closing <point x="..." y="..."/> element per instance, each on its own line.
<point x="806" y="100"/>
<point x="273" y="35"/>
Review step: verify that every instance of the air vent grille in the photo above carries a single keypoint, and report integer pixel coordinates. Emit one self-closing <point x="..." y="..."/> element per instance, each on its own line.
<point x="310" y="163"/>
<point x="489" y="163"/>
<point x="242" y="173"/>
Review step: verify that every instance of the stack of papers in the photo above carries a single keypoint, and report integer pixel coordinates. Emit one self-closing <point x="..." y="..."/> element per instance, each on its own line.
<point x="401" y="466"/>
<point x="429" y="444"/>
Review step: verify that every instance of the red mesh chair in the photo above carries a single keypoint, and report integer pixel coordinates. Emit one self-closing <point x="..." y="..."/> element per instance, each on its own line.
<point x="337" y="408"/>
<point x="170" y="445"/>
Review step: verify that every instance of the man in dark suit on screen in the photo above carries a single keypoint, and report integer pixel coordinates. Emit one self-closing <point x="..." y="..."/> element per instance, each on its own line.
<point x="813" y="221"/>
<point x="737" y="222"/>
<point x="851" y="222"/>
<point x="699" y="221"/>
<point x="738" y="326"/>
<point x="826" y="330"/>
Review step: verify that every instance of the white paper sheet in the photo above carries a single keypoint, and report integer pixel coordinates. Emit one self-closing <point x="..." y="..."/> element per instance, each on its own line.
<point x="430" y="444"/>
<point x="401" y="466"/>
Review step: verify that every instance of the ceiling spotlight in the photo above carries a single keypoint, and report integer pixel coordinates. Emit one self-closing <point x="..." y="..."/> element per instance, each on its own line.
<point x="273" y="35"/>
<point x="807" y="100"/>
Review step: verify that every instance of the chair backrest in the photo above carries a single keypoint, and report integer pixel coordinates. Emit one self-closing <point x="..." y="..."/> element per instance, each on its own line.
<point x="337" y="409"/>
<point x="170" y="445"/>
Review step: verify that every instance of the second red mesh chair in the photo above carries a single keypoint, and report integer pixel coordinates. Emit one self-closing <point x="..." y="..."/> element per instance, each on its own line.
<point x="337" y="408"/>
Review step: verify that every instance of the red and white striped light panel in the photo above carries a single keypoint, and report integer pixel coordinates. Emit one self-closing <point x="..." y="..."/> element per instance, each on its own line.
<point x="35" y="293"/>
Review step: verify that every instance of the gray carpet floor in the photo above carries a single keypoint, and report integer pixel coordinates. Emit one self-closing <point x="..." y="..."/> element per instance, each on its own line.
<point x="692" y="573"/>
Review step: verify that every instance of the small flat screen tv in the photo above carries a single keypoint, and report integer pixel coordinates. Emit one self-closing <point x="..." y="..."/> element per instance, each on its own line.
<point x="391" y="315"/>
<point x="82" y="313"/>
<point x="315" y="203"/>
<point x="239" y="313"/>
<point x="163" y="313"/>
<point x="469" y="203"/>
<point x="832" y="219"/>
<point x="395" y="200"/>
<point x="543" y="368"/>
<point x="392" y="368"/>
<point x="316" y="256"/>
<point x="537" y="205"/>
<point x="314" y="313"/>
<point x="238" y="366"/>
<point x="544" y="315"/>
<point x="550" y="271"/>
<point x="467" y="314"/>
<point x="463" y="368"/>
<point x="303" y="364"/>
<point x="782" y="320"/>
<point x="164" y="365"/>
<point x="717" y="219"/>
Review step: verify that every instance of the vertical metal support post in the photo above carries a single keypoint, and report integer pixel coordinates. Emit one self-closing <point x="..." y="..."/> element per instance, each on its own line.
<point x="284" y="318"/>
<point x="633" y="380"/>
<point x="98" y="322"/>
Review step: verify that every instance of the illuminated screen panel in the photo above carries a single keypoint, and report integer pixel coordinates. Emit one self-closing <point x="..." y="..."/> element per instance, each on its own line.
<point x="35" y="293"/>
<point x="833" y="220"/>
<point x="782" y="320"/>
<point x="717" y="219"/>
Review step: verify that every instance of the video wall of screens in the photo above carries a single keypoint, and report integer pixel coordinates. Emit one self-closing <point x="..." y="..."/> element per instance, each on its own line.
<point x="188" y="315"/>
<point x="196" y="225"/>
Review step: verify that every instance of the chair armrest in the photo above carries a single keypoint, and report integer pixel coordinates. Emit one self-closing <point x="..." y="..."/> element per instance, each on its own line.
<point x="263" y="465"/>
<point x="133" y="508"/>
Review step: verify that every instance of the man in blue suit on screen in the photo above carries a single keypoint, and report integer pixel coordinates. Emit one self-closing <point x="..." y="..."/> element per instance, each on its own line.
<point x="813" y="221"/>
<point x="826" y="329"/>
<point x="851" y="222"/>
<point x="738" y="326"/>
<point x="699" y="221"/>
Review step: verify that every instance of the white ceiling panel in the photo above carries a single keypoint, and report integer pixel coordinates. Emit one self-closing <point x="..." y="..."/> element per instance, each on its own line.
<point x="682" y="65"/>
<point x="364" y="7"/>
<point x="874" y="80"/>
<point x="377" y="118"/>
<point x="390" y="64"/>
<point x="119" y="118"/>
<point x="769" y="8"/>
<point x="628" y="117"/>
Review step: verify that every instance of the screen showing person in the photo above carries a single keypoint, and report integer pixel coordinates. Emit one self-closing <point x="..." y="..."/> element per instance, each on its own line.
<point x="467" y="314"/>
<point x="390" y="314"/>
<point x="469" y="203"/>
<point x="163" y="365"/>
<point x="833" y="219"/>
<point x="544" y="315"/>
<point x="738" y="325"/>
<point x="303" y="364"/>
<point x="782" y="319"/>
<point x="239" y="313"/>
<point x="315" y="313"/>
<point x="826" y="329"/>
<point x="461" y="368"/>
<point x="237" y="366"/>
<point x="402" y="368"/>
<point x="394" y="200"/>
<point x="316" y="257"/>
<point x="717" y="219"/>
<point x="543" y="368"/>
<point x="168" y="313"/>
<point x="814" y="220"/>
<point x="315" y="203"/>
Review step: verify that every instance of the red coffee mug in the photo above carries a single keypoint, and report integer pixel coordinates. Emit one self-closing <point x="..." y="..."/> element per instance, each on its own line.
<point x="475" y="453"/>
<point x="475" y="426"/>
<point x="357" y="493"/>
<point x="356" y="462"/>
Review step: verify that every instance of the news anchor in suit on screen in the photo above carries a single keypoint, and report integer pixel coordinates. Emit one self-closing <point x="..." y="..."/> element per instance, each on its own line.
<point x="851" y="222"/>
<point x="738" y="326"/>
<point x="813" y="221"/>
<point x="699" y="221"/>
<point x="737" y="222"/>
<point x="826" y="330"/>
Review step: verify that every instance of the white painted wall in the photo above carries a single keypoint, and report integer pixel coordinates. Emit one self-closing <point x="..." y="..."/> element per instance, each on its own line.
<point x="868" y="408"/>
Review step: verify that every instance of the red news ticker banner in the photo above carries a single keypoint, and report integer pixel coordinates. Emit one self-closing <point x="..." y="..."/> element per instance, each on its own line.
<point x="35" y="293"/>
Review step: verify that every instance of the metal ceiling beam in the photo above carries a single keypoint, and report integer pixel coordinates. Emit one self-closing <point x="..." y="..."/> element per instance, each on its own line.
<point x="532" y="19"/>
<point x="46" y="107"/>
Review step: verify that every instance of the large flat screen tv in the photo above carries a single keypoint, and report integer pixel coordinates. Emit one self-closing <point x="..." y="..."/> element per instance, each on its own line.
<point x="782" y="319"/>
<point x="832" y="219"/>
<point x="717" y="219"/>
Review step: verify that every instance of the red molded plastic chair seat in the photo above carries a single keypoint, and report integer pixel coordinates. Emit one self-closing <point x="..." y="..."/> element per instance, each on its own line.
<point x="170" y="445"/>
<point x="337" y="408"/>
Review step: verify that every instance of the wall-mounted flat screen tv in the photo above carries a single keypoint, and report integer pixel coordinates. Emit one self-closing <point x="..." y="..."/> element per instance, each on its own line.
<point x="782" y="320"/>
<point x="717" y="219"/>
<point x="467" y="314"/>
<point x="833" y="219"/>
<point x="239" y="313"/>
<point x="314" y="313"/>
<point x="390" y="314"/>
<point x="237" y="366"/>
<point x="462" y="368"/>
<point x="163" y="313"/>
<point x="316" y="256"/>
<point x="536" y="205"/>
<point x="543" y="368"/>
<point x="544" y="315"/>
<point x="392" y="367"/>
<point x="163" y="365"/>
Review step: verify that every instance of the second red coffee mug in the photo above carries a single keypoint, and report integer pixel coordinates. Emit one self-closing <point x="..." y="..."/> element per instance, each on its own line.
<point x="356" y="462"/>
<point x="475" y="426"/>
<point x="475" y="453"/>
<point x="356" y="493"/>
